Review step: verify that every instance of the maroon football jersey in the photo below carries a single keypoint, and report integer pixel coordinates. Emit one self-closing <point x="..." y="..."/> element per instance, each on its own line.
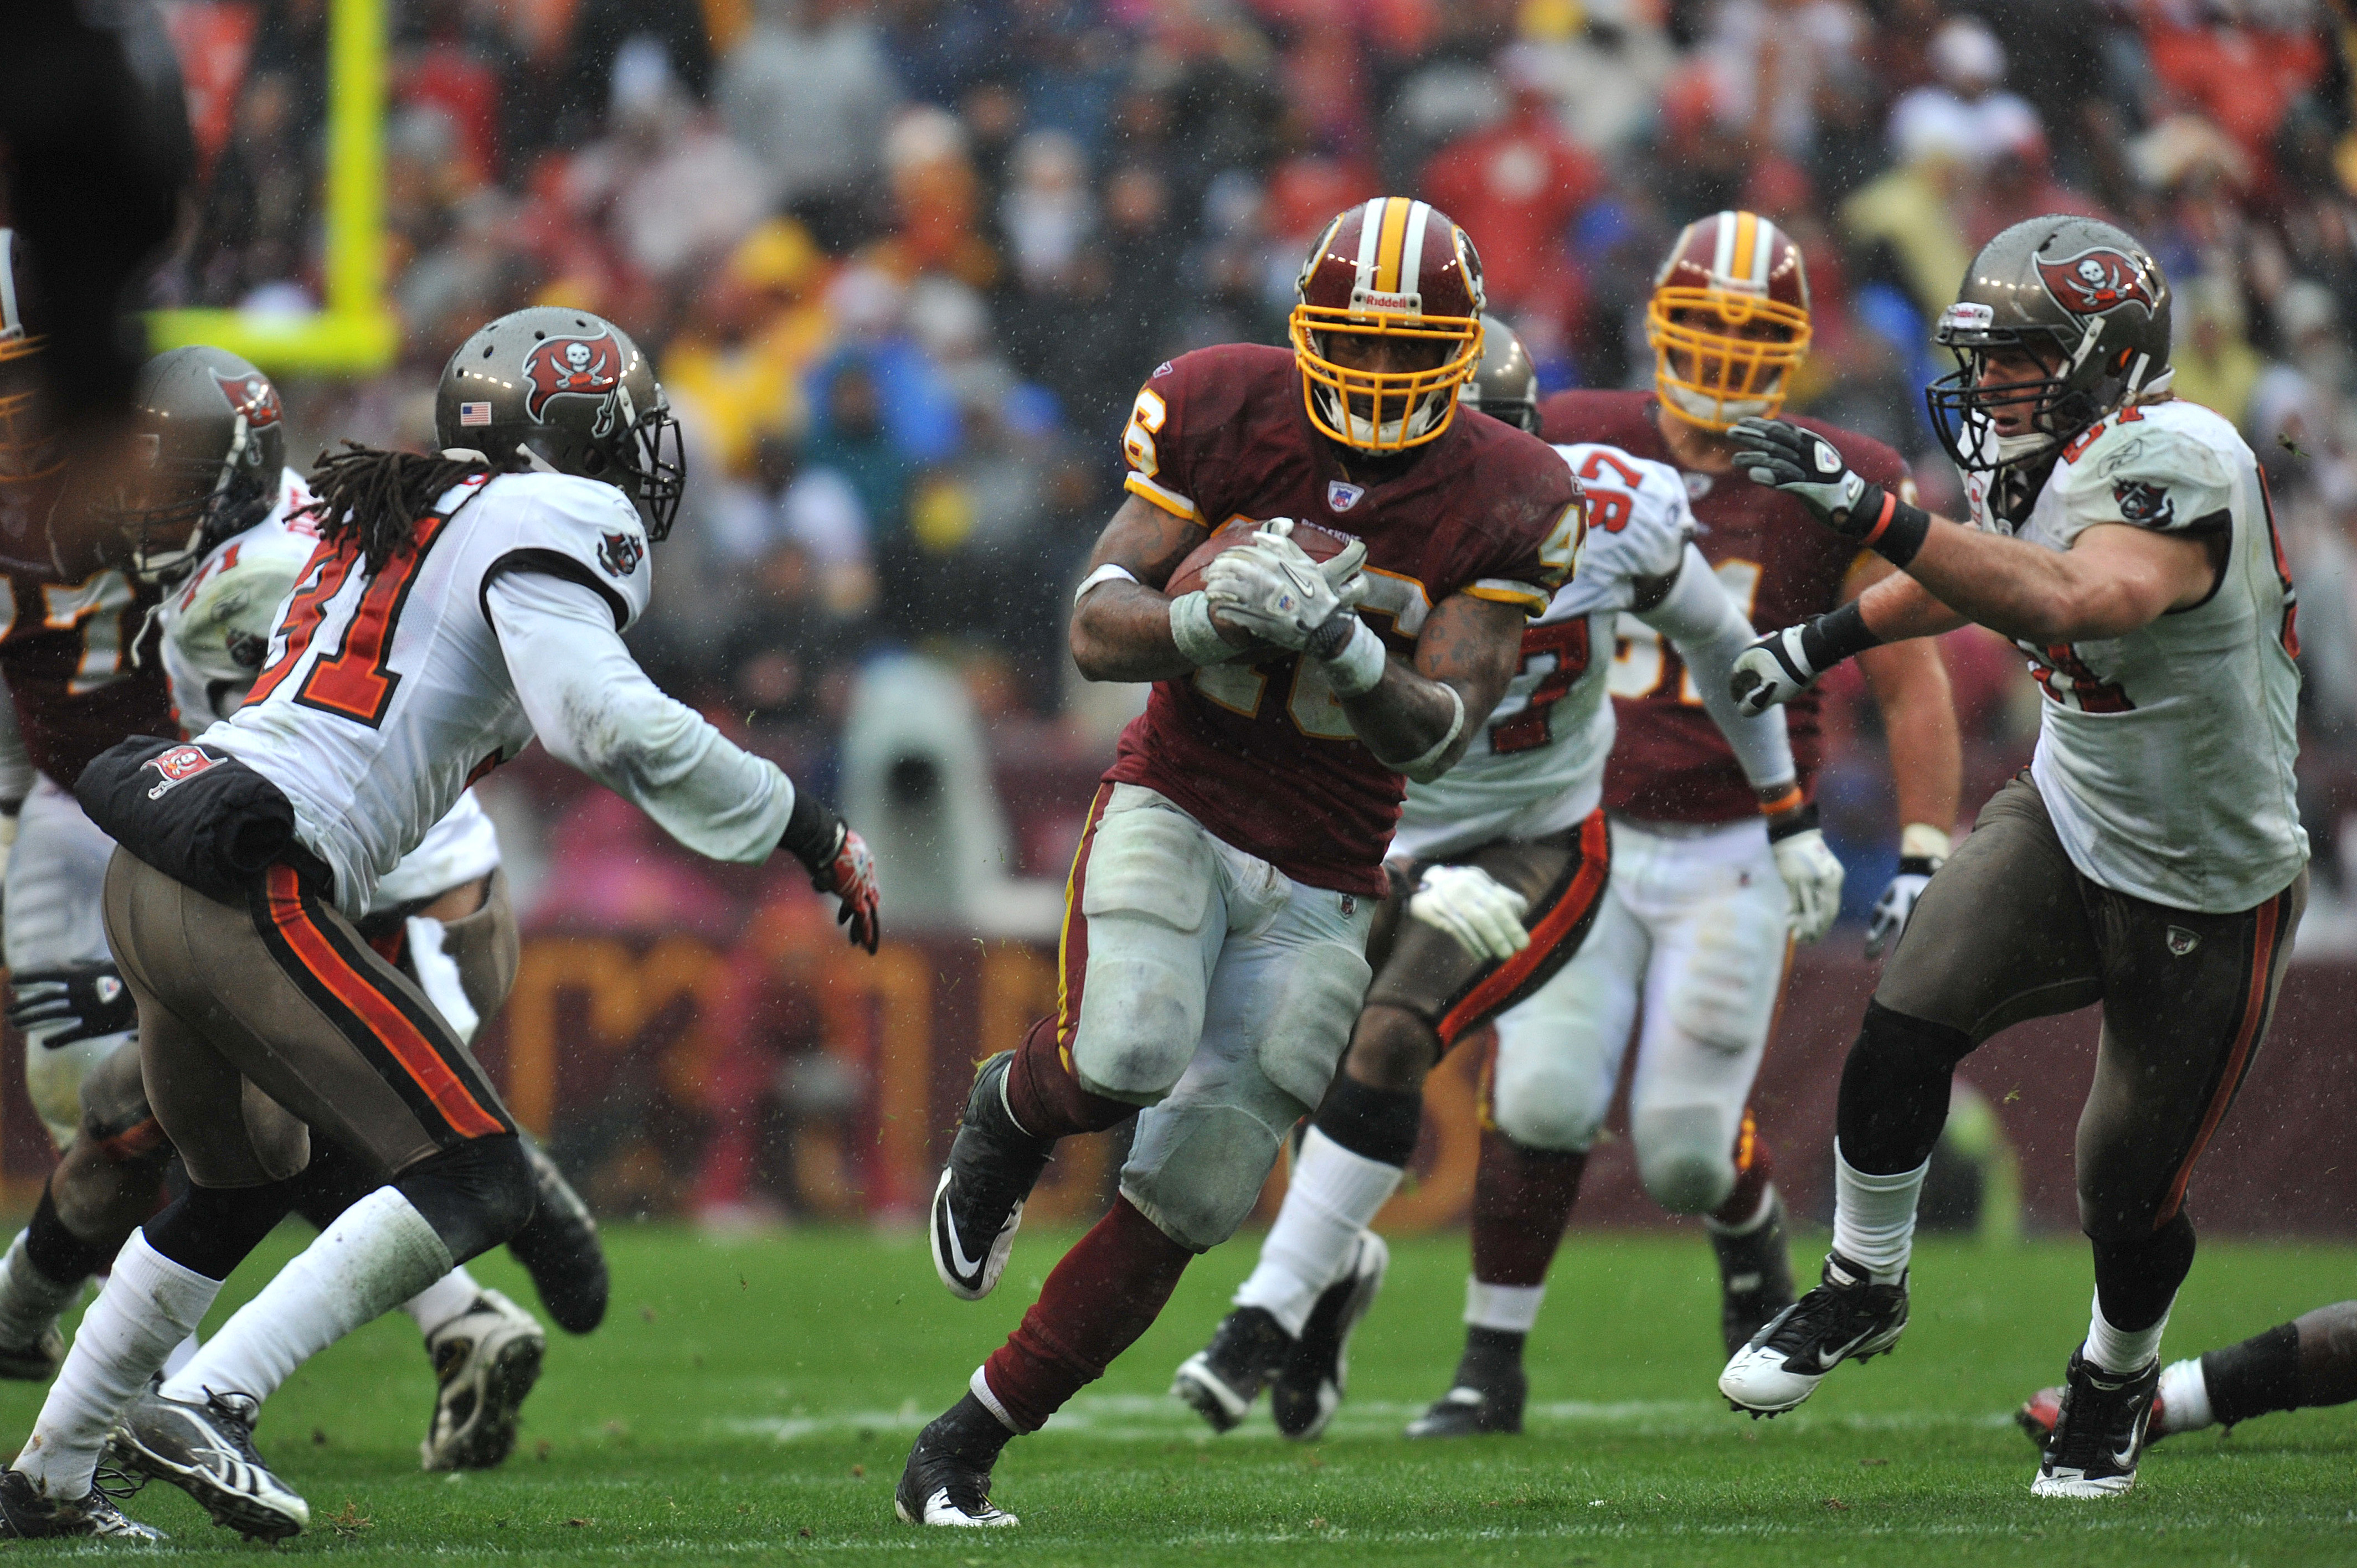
<point x="65" y="649"/>
<point x="1261" y="754"/>
<point x="1780" y="566"/>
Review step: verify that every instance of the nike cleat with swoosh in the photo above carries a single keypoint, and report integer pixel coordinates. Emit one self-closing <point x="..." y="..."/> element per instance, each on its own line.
<point x="993" y="1166"/>
<point x="1847" y="1318"/>
<point x="2100" y="1433"/>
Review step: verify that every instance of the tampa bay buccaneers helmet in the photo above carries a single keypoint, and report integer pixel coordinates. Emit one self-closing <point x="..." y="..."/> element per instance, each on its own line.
<point x="1390" y="268"/>
<point x="564" y="391"/>
<point x="208" y="452"/>
<point x="1506" y="385"/>
<point x="1727" y="320"/>
<point x="2085" y="298"/>
<point x="31" y="461"/>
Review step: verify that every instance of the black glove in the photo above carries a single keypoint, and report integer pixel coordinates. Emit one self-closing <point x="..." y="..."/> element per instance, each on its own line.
<point x="1807" y="467"/>
<point x="54" y="1007"/>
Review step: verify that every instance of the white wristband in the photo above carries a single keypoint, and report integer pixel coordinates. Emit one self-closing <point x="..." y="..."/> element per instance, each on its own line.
<point x="1420" y="769"/>
<point x="1922" y="840"/>
<point x="1108" y="573"/>
<point x="1358" y="667"/>
<point x="1192" y="629"/>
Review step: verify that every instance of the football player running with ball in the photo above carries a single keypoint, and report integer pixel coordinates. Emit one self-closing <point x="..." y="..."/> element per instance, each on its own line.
<point x="1503" y="865"/>
<point x="1231" y="866"/>
<point x="1705" y="900"/>
<point x="2151" y="859"/>
<point x="457" y="606"/>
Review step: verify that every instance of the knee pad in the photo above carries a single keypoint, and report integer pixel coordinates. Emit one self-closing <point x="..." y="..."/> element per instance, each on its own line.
<point x="475" y="1196"/>
<point x="1684" y="1157"/>
<point x="1725" y="995"/>
<point x="1145" y="893"/>
<point x="1542" y="1101"/>
<point x="1196" y="1170"/>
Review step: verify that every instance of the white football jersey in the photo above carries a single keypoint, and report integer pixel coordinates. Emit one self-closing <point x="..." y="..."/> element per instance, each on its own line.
<point x="383" y="695"/>
<point x="1538" y="764"/>
<point x="216" y="629"/>
<point x="2165" y="756"/>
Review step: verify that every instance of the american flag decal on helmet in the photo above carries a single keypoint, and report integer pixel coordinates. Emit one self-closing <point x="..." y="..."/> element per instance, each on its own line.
<point x="473" y="413"/>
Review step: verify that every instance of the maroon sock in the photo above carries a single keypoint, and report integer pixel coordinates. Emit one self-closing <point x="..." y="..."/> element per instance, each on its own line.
<point x="1108" y="1291"/>
<point x="1755" y="1167"/>
<point x="1522" y="1201"/>
<point x="1046" y="1099"/>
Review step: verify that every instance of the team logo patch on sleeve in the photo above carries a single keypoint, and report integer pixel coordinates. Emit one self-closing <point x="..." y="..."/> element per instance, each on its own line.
<point x="2144" y="502"/>
<point x="620" y="554"/>
<point x="179" y="764"/>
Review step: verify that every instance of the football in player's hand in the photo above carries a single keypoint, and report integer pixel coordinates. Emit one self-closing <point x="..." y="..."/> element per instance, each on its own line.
<point x="1320" y="544"/>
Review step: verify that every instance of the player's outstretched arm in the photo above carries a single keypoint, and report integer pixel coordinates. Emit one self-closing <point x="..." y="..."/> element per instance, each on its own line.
<point x="1124" y="627"/>
<point x="594" y="709"/>
<point x="1710" y="634"/>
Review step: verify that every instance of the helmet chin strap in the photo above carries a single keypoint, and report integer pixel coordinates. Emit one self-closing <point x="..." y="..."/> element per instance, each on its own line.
<point x="1711" y="410"/>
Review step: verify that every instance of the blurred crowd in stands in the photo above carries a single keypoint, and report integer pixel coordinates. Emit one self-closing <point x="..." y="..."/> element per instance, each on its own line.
<point x="904" y="263"/>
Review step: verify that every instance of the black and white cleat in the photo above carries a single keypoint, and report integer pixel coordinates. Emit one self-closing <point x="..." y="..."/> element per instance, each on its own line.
<point x="1847" y="1318"/>
<point x="1220" y="1381"/>
<point x="2100" y="1431"/>
<point x="25" y="1514"/>
<point x="486" y="1361"/>
<point x="947" y="1482"/>
<point x="206" y="1450"/>
<point x="993" y="1166"/>
<point x="1309" y="1388"/>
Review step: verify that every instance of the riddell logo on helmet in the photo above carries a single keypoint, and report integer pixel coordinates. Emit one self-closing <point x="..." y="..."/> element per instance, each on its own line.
<point x="1367" y="299"/>
<point x="2095" y="283"/>
<point x="251" y="396"/>
<point x="576" y="367"/>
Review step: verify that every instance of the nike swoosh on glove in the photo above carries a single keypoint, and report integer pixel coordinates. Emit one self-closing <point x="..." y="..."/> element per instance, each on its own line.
<point x="1895" y="906"/>
<point x="1803" y="464"/>
<point x="850" y="876"/>
<point x="1812" y="875"/>
<point x="1272" y="588"/>
<point x="1774" y="669"/>
<point x="1483" y="915"/>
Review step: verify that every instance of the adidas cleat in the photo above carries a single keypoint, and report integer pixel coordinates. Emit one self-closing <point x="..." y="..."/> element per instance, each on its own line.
<point x="1847" y="1318"/>
<point x="37" y="1362"/>
<point x="558" y="1247"/>
<point x="206" y="1450"/>
<point x="1220" y="1381"/>
<point x="1754" y="1278"/>
<point x="1308" y="1390"/>
<point x="25" y="1514"/>
<point x="2100" y="1431"/>
<point x="978" y="1205"/>
<point x="946" y="1482"/>
<point x="486" y="1360"/>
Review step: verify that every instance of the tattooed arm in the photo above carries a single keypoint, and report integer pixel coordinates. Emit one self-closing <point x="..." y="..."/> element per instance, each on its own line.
<point x="1411" y="719"/>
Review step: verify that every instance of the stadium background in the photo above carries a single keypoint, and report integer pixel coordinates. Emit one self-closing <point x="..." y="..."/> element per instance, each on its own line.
<point x="904" y="265"/>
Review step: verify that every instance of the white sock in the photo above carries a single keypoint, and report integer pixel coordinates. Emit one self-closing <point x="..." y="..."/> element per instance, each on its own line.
<point x="1509" y="1309"/>
<point x="1874" y="1217"/>
<point x="443" y="1300"/>
<point x="31" y="1301"/>
<point x="182" y="1354"/>
<point x="149" y="1304"/>
<point x="1758" y="1216"/>
<point x="2185" y="1398"/>
<point x="1334" y="1195"/>
<point x="377" y="1254"/>
<point x="2117" y="1350"/>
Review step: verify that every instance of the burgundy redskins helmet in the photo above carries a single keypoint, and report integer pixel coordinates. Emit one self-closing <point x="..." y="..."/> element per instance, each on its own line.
<point x="1393" y="267"/>
<point x="1728" y="321"/>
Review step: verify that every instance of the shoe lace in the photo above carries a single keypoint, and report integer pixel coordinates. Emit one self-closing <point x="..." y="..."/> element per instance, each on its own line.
<point x="1817" y="1315"/>
<point x="113" y="1485"/>
<point x="2083" y="1427"/>
<point x="234" y="1412"/>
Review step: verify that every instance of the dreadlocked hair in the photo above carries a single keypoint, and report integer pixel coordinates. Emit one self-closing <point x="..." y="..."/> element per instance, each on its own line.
<point x="375" y="498"/>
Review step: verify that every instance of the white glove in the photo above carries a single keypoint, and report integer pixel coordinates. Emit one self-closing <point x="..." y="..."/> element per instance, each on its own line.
<point x="1892" y="910"/>
<point x="1774" y="669"/>
<point x="1812" y="875"/>
<point x="1272" y="588"/>
<point x="1483" y="915"/>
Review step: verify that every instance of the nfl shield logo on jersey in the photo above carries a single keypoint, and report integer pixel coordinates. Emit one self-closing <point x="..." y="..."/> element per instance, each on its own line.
<point x="620" y="554"/>
<point x="179" y="764"/>
<point x="1341" y="497"/>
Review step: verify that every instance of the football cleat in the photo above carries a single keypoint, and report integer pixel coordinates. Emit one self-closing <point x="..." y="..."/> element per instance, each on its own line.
<point x="1754" y="1278"/>
<point x="2099" y="1431"/>
<point x="206" y="1450"/>
<point x="1220" y="1381"/>
<point x="37" y="1362"/>
<point x="2042" y="1411"/>
<point x="558" y="1247"/>
<point x="1467" y="1411"/>
<point x="993" y="1166"/>
<point x="1846" y="1317"/>
<point x="1308" y="1389"/>
<point x="486" y="1360"/>
<point x="26" y="1514"/>
<point x="944" y="1483"/>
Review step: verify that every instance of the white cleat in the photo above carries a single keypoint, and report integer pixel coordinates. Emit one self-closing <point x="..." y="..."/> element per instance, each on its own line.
<point x="939" y="1509"/>
<point x="486" y="1360"/>
<point x="1845" y="1318"/>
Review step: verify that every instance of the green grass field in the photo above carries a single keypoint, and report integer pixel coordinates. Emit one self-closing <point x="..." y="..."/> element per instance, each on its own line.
<point x="753" y="1402"/>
